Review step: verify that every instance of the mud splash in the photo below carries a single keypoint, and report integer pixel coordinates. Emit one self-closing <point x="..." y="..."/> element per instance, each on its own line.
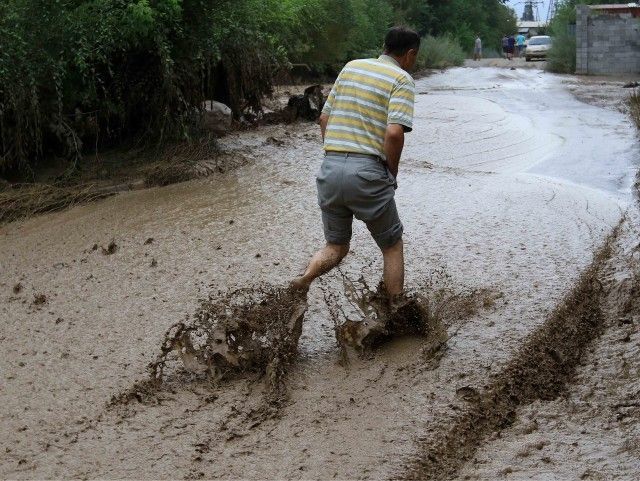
<point x="254" y="332"/>
<point x="427" y="310"/>
<point x="246" y="330"/>
<point x="540" y="370"/>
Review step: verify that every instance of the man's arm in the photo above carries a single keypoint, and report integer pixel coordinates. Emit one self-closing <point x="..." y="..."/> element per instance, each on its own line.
<point x="328" y="106"/>
<point x="324" y="119"/>
<point x="399" y="121"/>
<point x="393" y="144"/>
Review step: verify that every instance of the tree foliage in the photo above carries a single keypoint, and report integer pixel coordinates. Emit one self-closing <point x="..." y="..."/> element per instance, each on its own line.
<point x="88" y="74"/>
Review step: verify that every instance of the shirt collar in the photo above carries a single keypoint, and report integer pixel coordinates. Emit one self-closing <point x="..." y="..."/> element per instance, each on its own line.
<point x="389" y="59"/>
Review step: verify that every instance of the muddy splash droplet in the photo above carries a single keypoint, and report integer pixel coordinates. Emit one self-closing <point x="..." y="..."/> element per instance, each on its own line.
<point x="111" y="248"/>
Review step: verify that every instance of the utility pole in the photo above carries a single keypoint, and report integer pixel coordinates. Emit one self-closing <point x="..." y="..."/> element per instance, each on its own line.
<point x="530" y="12"/>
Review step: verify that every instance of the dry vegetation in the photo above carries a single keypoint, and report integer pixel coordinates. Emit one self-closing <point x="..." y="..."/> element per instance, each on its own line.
<point x="24" y="200"/>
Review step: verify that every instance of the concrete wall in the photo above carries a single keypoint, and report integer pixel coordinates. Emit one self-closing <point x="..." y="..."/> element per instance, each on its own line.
<point x="606" y="43"/>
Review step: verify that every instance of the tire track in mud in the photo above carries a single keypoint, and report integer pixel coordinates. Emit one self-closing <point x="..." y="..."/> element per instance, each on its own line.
<point x="539" y="370"/>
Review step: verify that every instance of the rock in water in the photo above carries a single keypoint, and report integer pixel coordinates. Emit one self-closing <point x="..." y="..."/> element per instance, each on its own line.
<point x="246" y="330"/>
<point x="307" y="106"/>
<point x="217" y="117"/>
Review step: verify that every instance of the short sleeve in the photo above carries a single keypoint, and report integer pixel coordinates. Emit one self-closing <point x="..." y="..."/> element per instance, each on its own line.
<point x="401" y="104"/>
<point x="328" y="105"/>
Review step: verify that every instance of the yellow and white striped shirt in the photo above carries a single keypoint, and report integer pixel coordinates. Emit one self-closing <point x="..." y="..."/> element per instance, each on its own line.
<point x="368" y="95"/>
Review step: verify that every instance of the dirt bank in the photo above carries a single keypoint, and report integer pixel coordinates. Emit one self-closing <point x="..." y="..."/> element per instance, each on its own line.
<point x="606" y="92"/>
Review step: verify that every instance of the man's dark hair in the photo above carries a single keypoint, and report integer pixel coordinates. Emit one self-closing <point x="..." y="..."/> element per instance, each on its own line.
<point x="399" y="40"/>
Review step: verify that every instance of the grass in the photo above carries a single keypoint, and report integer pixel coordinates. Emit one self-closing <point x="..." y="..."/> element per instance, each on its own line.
<point x="440" y="52"/>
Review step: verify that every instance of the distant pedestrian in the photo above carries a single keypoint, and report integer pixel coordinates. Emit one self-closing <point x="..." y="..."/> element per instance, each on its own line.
<point x="477" y="51"/>
<point x="520" y="44"/>
<point x="511" y="45"/>
<point x="505" y="46"/>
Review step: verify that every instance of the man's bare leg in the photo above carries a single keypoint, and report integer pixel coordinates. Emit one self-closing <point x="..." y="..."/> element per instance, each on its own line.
<point x="322" y="262"/>
<point x="393" y="274"/>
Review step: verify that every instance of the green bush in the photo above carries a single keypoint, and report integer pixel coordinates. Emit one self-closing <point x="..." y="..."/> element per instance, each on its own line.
<point x="97" y="73"/>
<point x="440" y="52"/>
<point x="562" y="54"/>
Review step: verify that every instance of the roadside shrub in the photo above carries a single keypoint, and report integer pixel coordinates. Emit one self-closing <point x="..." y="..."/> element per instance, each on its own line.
<point x="440" y="52"/>
<point x="100" y="72"/>
<point x="562" y="54"/>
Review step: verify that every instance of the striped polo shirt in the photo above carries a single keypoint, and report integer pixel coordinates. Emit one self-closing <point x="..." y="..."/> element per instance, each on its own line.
<point x="368" y="95"/>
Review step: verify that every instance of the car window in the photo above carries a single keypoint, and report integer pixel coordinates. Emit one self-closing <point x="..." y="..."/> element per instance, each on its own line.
<point x="540" y="41"/>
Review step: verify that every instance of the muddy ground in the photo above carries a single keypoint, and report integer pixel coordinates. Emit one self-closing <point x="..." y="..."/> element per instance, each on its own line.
<point x="508" y="186"/>
<point x="592" y="429"/>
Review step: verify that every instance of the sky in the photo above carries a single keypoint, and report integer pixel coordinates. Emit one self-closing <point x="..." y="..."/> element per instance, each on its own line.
<point x="518" y="6"/>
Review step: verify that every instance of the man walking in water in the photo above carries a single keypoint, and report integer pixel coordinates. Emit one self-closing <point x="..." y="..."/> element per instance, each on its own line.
<point x="363" y="123"/>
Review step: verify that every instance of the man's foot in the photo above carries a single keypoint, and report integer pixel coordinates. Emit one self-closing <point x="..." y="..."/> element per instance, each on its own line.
<point x="407" y="316"/>
<point x="300" y="284"/>
<point x="398" y="300"/>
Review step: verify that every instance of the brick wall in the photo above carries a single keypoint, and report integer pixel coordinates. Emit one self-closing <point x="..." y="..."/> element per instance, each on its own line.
<point x="606" y="43"/>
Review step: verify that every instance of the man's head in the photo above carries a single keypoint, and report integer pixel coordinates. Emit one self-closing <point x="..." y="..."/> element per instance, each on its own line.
<point x="402" y="44"/>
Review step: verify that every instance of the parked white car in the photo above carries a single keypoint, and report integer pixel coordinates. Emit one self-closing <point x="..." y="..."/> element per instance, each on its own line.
<point x="537" y="47"/>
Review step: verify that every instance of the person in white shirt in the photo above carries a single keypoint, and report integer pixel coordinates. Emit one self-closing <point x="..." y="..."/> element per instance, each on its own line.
<point x="477" y="51"/>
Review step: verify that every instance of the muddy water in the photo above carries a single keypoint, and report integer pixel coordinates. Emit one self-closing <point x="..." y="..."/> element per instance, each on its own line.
<point x="508" y="183"/>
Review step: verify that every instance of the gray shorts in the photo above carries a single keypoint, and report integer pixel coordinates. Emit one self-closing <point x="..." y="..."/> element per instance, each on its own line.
<point x="360" y="187"/>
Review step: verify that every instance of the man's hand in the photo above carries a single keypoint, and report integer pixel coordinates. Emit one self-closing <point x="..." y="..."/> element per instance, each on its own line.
<point x="393" y="144"/>
<point x="324" y="119"/>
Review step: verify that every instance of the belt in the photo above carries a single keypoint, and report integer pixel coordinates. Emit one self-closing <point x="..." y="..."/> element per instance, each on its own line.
<point x="356" y="155"/>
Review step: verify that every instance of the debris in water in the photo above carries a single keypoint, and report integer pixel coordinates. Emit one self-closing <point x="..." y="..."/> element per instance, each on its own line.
<point x="154" y="262"/>
<point x="247" y="330"/>
<point x="148" y="241"/>
<point x="17" y="288"/>
<point x="111" y="249"/>
<point x="274" y="141"/>
<point x="39" y="299"/>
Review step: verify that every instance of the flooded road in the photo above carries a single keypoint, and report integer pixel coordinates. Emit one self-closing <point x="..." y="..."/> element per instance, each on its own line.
<point x="507" y="183"/>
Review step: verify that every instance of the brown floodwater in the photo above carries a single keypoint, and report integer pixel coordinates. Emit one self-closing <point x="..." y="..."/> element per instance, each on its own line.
<point x="507" y="184"/>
